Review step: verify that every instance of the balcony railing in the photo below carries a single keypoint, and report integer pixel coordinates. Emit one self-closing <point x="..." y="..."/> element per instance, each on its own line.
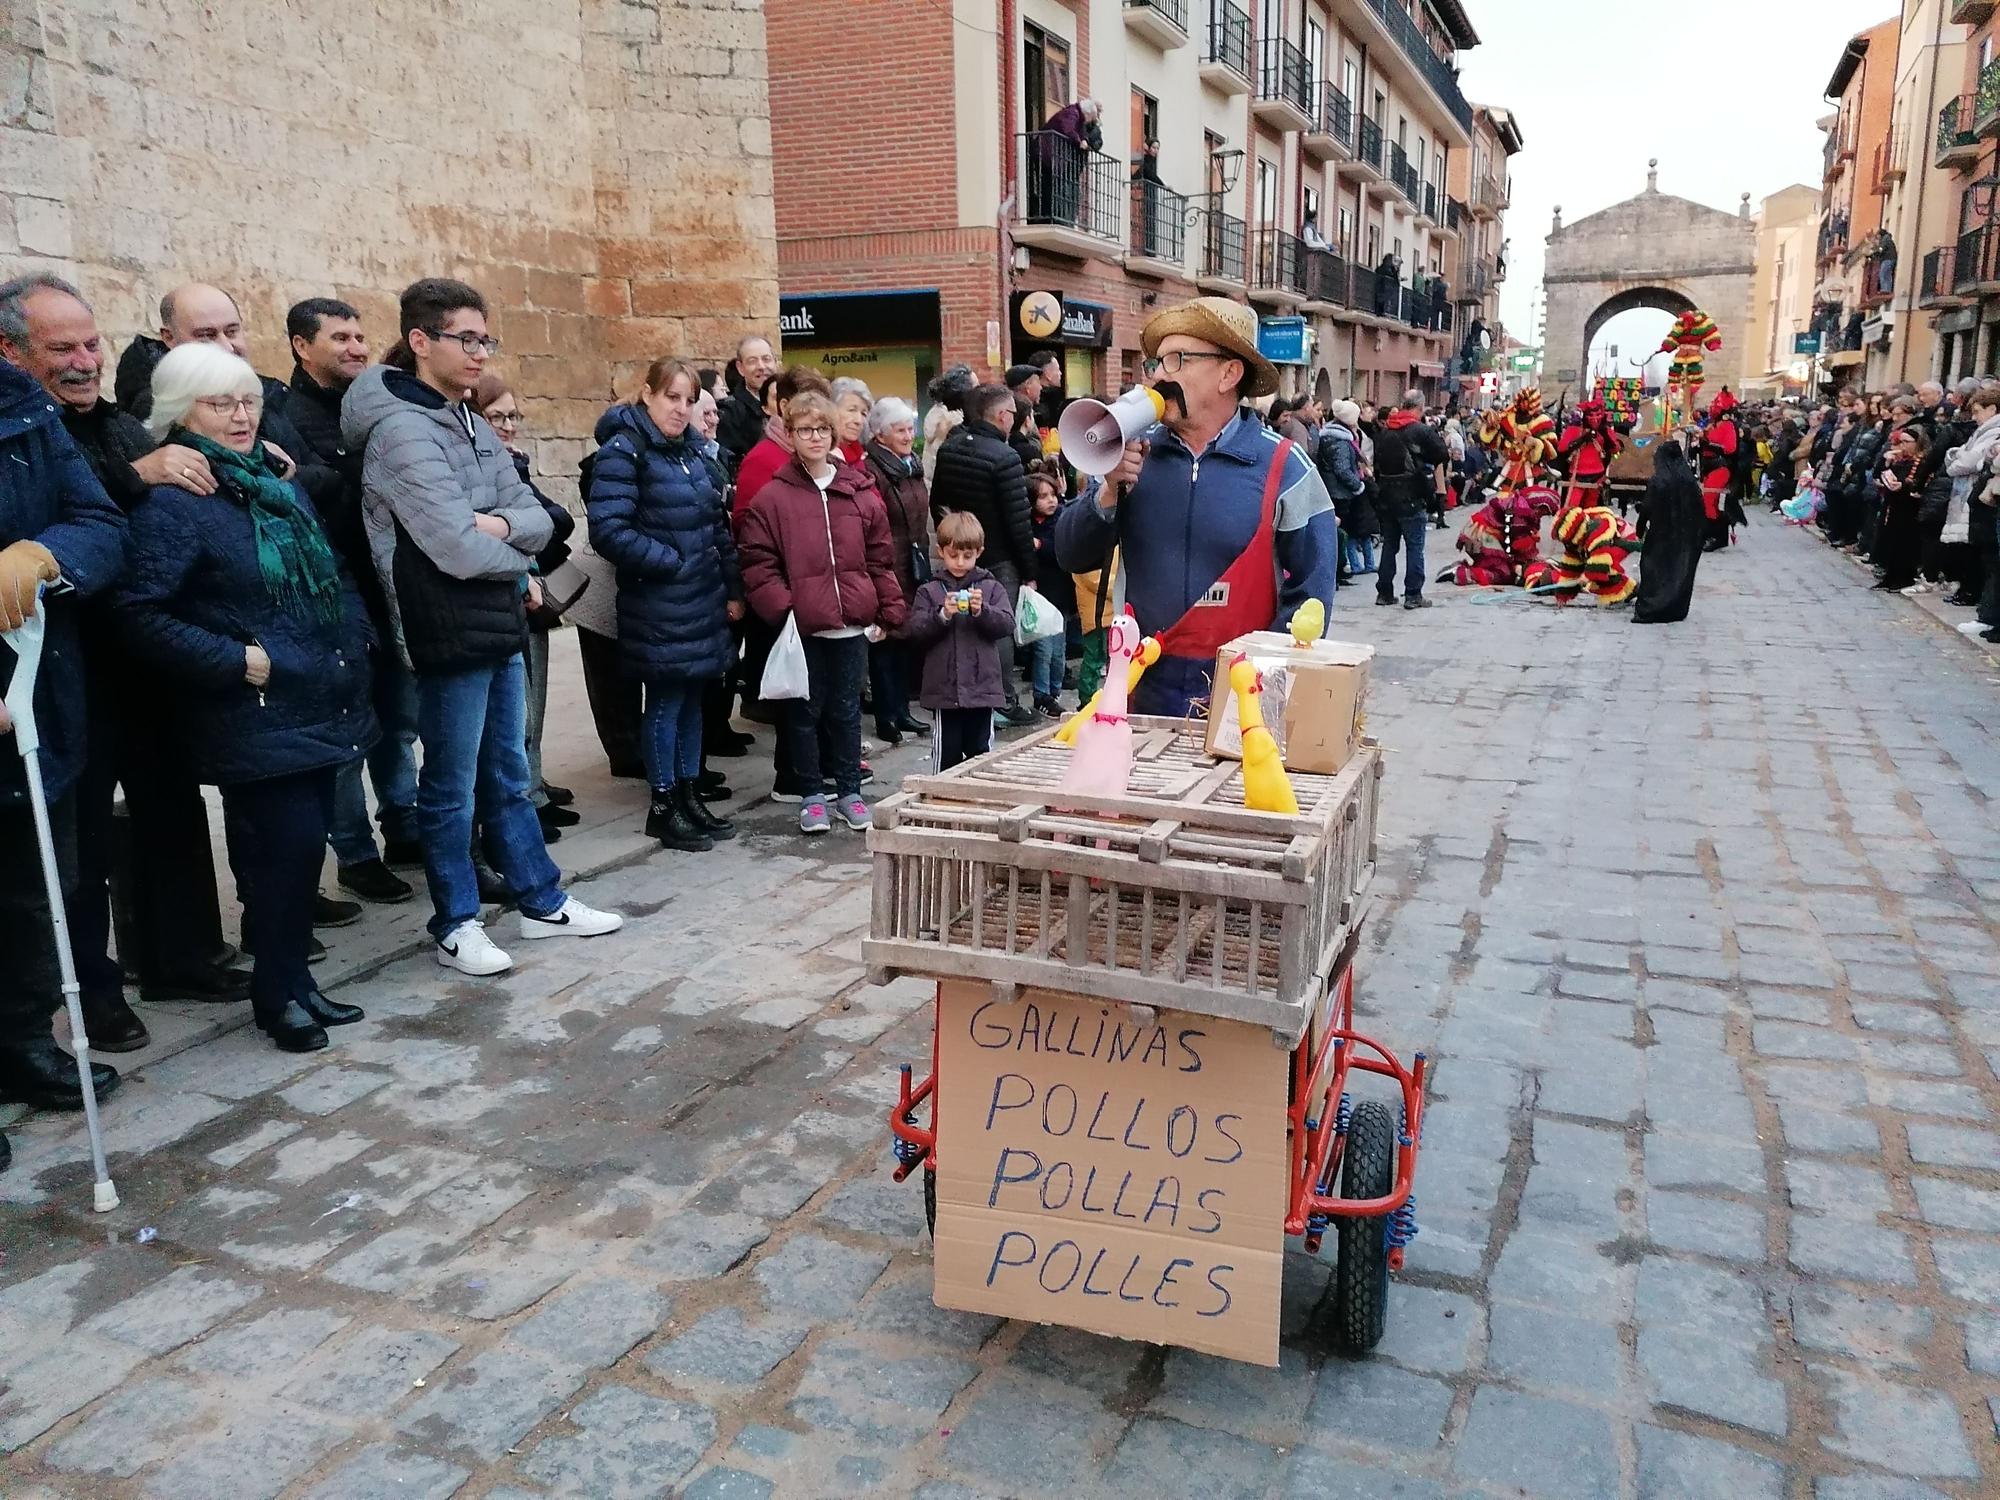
<point x="1399" y="169"/>
<point x="1956" y="141"/>
<point x="1971" y="12"/>
<point x="1436" y="71"/>
<point x="1878" y="280"/>
<point x="1070" y="187"/>
<point x="1228" y="39"/>
<point x="1833" y="238"/>
<point x="1416" y="307"/>
<point x="1977" y="264"/>
<point x="1173" y="12"/>
<point x="1986" y="101"/>
<point x="1281" y="261"/>
<point x="1454" y="215"/>
<point x="1937" y="284"/>
<point x="1281" y="75"/>
<point x="1223" y="240"/>
<point x="1479" y="278"/>
<point x="1368" y="143"/>
<point x="1333" y="117"/>
<point x="1890" y="154"/>
<point x="1486" y="197"/>
<point x="1429" y="203"/>
<point x="1329" y="279"/>
<point x="1159" y="222"/>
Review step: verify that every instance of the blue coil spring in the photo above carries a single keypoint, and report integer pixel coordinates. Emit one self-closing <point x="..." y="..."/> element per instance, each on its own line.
<point x="1402" y="1225"/>
<point x="908" y="1153"/>
<point x="1343" y="1117"/>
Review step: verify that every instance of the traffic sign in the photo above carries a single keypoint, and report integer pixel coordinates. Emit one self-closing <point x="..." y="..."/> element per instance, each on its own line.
<point x="1805" y="343"/>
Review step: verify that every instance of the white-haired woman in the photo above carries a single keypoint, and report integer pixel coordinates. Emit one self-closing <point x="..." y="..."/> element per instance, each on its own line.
<point x="237" y="598"/>
<point x="852" y="402"/>
<point x="889" y="452"/>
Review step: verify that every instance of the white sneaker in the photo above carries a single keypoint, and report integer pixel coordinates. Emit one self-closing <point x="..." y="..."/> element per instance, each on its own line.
<point x="1916" y="588"/>
<point x="1973" y="627"/>
<point x="571" y="919"/>
<point x="469" y="950"/>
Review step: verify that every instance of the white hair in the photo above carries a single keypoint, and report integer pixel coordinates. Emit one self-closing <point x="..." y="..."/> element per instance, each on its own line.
<point x="191" y="371"/>
<point x="847" y="386"/>
<point x="890" y="411"/>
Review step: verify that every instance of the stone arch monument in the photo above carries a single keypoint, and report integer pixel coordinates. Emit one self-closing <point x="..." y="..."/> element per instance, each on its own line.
<point x="1654" y="250"/>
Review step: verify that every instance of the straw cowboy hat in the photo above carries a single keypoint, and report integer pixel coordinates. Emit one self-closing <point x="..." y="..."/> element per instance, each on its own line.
<point x="1228" y="325"/>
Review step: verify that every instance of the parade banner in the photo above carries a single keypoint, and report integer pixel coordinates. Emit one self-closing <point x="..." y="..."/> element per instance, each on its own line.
<point x="1109" y="1171"/>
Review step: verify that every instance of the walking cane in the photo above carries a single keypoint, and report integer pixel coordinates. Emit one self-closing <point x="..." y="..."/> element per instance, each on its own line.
<point x="26" y="644"/>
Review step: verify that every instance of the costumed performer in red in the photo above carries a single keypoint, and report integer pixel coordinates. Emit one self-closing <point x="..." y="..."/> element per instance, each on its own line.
<point x="1588" y="444"/>
<point x="1502" y="540"/>
<point x="1691" y="334"/>
<point x="1720" y="441"/>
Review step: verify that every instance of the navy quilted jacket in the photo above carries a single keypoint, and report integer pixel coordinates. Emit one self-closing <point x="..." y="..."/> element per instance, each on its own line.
<point x="658" y="515"/>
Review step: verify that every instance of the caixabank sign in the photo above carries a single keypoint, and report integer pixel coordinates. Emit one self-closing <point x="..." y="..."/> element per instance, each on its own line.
<point x="1042" y="317"/>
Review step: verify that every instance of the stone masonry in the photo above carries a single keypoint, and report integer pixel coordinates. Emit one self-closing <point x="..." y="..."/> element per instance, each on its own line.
<point x="601" y="170"/>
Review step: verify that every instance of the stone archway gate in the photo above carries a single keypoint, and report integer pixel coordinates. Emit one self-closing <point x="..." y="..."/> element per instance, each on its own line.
<point x="1654" y="250"/>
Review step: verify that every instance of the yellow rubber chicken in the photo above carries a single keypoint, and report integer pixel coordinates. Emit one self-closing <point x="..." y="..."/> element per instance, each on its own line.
<point x="1149" y="652"/>
<point x="1266" y="787"/>
<point x="1308" y="623"/>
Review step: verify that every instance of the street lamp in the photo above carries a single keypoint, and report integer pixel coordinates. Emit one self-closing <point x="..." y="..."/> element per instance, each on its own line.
<point x="1226" y="169"/>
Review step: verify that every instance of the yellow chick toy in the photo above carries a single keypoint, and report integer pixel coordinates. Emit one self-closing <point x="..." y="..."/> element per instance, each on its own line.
<point x="1308" y="623"/>
<point x="1149" y="652"/>
<point x="1266" y="787"/>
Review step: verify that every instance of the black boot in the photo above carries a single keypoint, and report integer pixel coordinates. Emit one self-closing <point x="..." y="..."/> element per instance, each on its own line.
<point x="292" y="1027"/>
<point x="40" y="1073"/>
<point x="667" y="822"/>
<point x="214" y="984"/>
<point x="330" y="1012"/>
<point x="718" y="829"/>
<point x="112" y="1025"/>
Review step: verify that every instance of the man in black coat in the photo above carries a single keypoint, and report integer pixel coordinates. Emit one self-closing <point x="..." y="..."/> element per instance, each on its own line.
<point x="980" y="474"/>
<point x="329" y="351"/>
<point x="172" y="936"/>
<point x="1408" y="451"/>
<point x="741" y="418"/>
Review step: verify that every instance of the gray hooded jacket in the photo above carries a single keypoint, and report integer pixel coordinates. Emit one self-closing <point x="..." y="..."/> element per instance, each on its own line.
<point x="429" y="466"/>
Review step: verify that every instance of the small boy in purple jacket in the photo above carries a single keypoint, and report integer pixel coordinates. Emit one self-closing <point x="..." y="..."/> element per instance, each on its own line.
<point x="959" y="620"/>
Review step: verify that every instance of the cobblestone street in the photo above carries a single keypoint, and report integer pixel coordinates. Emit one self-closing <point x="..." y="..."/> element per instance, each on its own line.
<point x="1699" y="923"/>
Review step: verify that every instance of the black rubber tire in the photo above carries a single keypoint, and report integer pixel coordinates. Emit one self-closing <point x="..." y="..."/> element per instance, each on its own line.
<point x="930" y="1199"/>
<point x="1361" y="1275"/>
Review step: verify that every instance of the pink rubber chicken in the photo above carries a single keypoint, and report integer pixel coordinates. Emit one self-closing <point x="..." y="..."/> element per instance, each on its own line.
<point x="1101" y="763"/>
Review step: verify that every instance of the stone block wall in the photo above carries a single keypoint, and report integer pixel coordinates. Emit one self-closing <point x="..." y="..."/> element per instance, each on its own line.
<point x="601" y="169"/>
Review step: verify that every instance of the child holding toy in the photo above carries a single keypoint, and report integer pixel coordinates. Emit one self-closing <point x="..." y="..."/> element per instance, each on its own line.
<point x="957" y="621"/>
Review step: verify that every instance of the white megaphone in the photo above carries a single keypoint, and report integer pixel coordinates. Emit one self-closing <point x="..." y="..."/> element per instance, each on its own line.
<point x="1094" y="435"/>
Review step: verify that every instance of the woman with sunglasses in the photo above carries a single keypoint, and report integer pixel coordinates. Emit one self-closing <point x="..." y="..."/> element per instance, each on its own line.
<point x="239" y="600"/>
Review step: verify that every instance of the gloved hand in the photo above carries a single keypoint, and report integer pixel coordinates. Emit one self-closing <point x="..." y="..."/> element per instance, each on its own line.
<point x="23" y="566"/>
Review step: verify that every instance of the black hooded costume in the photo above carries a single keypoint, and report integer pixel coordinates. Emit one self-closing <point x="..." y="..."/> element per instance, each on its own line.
<point x="1676" y="522"/>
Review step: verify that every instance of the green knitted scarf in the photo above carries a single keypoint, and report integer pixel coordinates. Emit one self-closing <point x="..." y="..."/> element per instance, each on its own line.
<point x="292" y="552"/>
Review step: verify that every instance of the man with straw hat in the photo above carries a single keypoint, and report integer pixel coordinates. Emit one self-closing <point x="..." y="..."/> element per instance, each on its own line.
<point x="1224" y="526"/>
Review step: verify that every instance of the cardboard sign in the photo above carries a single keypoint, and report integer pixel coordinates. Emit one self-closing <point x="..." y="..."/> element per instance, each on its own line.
<point x="1110" y="1173"/>
<point x="1314" y="699"/>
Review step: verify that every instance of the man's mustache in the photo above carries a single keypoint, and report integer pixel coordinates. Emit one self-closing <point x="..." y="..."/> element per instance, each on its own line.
<point x="76" y="377"/>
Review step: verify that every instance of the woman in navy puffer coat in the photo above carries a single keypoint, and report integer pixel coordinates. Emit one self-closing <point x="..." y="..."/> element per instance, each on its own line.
<point x="658" y="515"/>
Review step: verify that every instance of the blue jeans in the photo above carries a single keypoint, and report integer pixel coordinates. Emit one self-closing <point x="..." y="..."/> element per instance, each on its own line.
<point x="475" y="751"/>
<point x="1045" y="667"/>
<point x="670" y="738"/>
<point x="1360" y="552"/>
<point x="391" y="767"/>
<point x="1406" y="532"/>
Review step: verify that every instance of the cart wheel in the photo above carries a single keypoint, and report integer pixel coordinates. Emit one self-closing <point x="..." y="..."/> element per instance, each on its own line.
<point x="930" y="1199"/>
<point x="1361" y="1275"/>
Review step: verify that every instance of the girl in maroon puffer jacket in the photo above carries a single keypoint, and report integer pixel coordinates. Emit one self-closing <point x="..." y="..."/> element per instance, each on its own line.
<point x="815" y="544"/>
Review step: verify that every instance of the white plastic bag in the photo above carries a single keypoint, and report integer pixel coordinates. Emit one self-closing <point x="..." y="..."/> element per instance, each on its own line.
<point x="1034" y="617"/>
<point x="785" y="672"/>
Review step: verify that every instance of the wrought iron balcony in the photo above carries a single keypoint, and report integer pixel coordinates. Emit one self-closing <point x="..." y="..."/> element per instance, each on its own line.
<point x="1986" y="101"/>
<point x="1159" y="230"/>
<point x="1878" y="280"/>
<point x="1436" y="71"/>
<point x="1368" y="147"/>
<point x="1163" y="22"/>
<point x="1075" y="197"/>
<point x="1957" y="145"/>
<point x="1225" y="59"/>
<point x="1937" y="287"/>
<point x="1486" y="199"/>
<point x="1280" y="272"/>
<point x="1223" y="241"/>
<point x="1977" y="266"/>
<point x="1331" y="132"/>
<point x="1281" y="98"/>
<point x="1329" y="279"/>
<point x="1971" y="12"/>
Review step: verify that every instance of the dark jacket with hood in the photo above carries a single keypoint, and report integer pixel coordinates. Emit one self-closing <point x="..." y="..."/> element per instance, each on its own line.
<point x="314" y="412"/>
<point x="49" y="495"/>
<point x="193" y="598"/>
<point x="457" y="598"/>
<point x="1407" y="452"/>
<point x="739" y="426"/>
<point x="657" y="515"/>
<point x="962" y="659"/>
<point x="900" y="483"/>
<point x="824" y="556"/>
<point x="978" y="473"/>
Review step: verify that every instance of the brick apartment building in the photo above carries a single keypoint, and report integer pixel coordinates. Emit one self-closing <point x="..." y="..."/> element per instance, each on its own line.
<point x="1960" y="278"/>
<point x="1302" y="144"/>
<point x="1480" y="192"/>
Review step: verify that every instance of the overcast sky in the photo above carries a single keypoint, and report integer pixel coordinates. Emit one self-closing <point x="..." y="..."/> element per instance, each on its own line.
<point x="1601" y="85"/>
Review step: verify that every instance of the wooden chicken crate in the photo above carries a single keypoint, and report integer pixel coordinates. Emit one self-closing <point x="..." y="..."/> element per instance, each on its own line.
<point x="1173" y="895"/>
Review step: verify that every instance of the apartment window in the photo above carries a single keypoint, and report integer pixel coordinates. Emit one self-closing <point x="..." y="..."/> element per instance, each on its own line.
<point x="1315" y="56"/>
<point x="1381" y="110"/>
<point x="1044" y="75"/>
<point x="1374" y="244"/>
<point x="1344" y="243"/>
<point x="1145" y="121"/>
<point x="1272" y="23"/>
<point x="1397" y="247"/>
<point x="1267" y="194"/>
<point x="1350" y="79"/>
<point x="1403" y="131"/>
<point x="1309" y="209"/>
<point x="1985" y="51"/>
<point x="1212" y="143"/>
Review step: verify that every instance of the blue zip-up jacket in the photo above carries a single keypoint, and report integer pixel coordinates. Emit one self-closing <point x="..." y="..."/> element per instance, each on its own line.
<point x="1185" y="522"/>
<point x="48" y="494"/>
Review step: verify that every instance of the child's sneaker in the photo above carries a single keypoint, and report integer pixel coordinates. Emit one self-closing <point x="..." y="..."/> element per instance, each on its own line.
<point x="854" y="813"/>
<point x="813" y="818"/>
<point x="1049" y="708"/>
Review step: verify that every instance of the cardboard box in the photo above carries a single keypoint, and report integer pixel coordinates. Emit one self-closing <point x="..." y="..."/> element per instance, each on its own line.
<point x="1314" y="699"/>
<point x="1111" y="1173"/>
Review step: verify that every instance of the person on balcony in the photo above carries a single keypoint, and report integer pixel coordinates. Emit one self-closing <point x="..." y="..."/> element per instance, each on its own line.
<point x="1146" y="194"/>
<point x="1388" y="286"/>
<point x="1061" y="147"/>
<point x="1310" y="233"/>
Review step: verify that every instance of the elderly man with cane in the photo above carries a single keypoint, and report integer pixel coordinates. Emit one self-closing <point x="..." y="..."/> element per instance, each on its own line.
<point x="56" y="524"/>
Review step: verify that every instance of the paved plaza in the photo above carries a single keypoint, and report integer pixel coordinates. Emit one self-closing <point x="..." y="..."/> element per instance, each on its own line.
<point x="1698" y="921"/>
